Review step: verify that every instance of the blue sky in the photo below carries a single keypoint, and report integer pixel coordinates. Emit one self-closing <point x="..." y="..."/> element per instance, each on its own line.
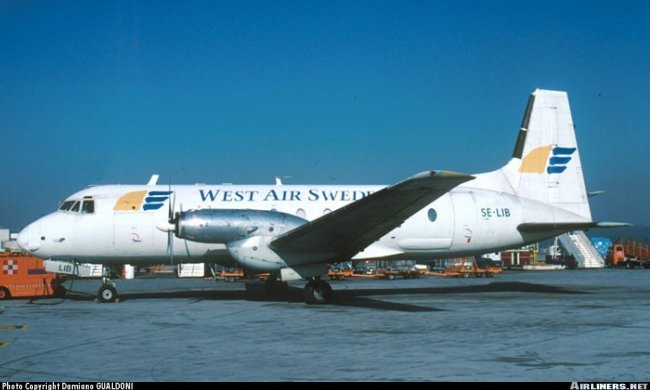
<point x="365" y="92"/>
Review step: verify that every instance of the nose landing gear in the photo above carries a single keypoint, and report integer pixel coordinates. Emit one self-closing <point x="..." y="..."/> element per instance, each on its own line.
<point x="107" y="293"/>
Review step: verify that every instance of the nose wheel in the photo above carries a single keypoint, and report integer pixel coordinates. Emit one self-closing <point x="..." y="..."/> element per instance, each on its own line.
<point x="107" y="293"/>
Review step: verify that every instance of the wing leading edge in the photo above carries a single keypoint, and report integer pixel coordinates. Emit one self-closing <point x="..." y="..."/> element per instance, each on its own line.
<point x="341" y="234"/>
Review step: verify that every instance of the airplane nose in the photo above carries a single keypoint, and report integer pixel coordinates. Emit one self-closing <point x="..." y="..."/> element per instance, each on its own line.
<point x="29" y="239"/>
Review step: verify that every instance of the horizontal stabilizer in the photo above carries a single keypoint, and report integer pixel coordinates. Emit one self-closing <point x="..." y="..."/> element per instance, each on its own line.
<point x="613" y="224"/>
<point x="551" y="227"/>
<point x="566" y="226"/>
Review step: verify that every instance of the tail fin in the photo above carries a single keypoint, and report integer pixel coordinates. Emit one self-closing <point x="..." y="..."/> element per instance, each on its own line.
<point x="545" y="164"/>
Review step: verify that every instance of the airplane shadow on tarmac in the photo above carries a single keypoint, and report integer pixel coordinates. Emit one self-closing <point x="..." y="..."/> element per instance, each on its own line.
<point x="348" y="297"/>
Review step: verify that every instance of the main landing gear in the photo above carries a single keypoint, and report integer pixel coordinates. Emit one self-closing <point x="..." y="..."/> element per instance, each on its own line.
<point x="317" y="292"/>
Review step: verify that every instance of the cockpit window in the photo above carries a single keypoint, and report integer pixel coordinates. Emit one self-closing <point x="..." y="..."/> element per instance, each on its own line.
<point x="66" y="205"/>
<point x="88" y="207"/>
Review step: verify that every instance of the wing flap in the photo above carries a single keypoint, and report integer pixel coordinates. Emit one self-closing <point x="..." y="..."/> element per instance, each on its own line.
<point x="343" y="233"/>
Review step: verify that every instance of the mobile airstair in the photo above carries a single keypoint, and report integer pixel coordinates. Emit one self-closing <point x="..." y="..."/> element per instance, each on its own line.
<point x="579" y="245"/>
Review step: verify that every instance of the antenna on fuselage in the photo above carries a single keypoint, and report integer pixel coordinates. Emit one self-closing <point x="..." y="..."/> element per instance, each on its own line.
<point x="154" y="180"/>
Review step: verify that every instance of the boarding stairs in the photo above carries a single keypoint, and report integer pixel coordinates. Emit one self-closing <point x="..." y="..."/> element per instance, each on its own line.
<point x="579" y="245"/>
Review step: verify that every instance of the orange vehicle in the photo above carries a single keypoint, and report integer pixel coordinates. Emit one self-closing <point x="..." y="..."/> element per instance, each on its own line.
<point x="232" y="274"/>
<point x="404" y="272"/>
<point x="339" y="274"/>
<point x="24" y="276"/>
<point x="616" y="255"/>
<point x="468" y="268"/>
<point x="629" y="254"/>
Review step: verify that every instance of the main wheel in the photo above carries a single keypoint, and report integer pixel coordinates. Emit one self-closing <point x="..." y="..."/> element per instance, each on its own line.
<point x="107" y="293"/>
<point x="317" y="292"/>
<point x="4" y="294"/>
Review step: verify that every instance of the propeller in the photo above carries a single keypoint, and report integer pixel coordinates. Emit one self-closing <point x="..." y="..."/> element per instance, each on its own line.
<point x="171" y="221"/>
<point x="170" y="225"/>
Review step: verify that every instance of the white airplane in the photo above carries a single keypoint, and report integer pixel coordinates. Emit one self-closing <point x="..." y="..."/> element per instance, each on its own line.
<point x="296" y="231"/>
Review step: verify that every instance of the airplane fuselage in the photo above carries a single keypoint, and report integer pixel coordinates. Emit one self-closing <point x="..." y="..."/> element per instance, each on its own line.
<point x="122" y="228"/>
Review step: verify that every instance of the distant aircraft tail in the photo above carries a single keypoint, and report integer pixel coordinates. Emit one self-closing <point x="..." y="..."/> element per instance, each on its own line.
<point x="545" y="164"/>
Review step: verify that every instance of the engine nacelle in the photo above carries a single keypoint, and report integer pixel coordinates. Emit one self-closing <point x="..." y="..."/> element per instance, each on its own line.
<point x="224" y="226"/>
<point x="255" y="253"/>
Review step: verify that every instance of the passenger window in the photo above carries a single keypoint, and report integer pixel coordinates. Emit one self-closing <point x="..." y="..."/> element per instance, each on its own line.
<point x="301" y="213"/>
<point x="88" y="207"/>
<point x="66" y="205"/>
<point x="432" y="215"/>
<point x="75" y="208"/>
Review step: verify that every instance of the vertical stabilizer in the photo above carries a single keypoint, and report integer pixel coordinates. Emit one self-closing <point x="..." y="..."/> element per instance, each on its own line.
<point x="545" y="164"/>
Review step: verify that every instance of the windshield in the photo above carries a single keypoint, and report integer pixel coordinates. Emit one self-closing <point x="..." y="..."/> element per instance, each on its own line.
<point x="66" y="205"/>
<point x="85" y="206"/>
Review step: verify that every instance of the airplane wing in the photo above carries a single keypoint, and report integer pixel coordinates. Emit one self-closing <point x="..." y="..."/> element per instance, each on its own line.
<point x="344" y="232"/>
